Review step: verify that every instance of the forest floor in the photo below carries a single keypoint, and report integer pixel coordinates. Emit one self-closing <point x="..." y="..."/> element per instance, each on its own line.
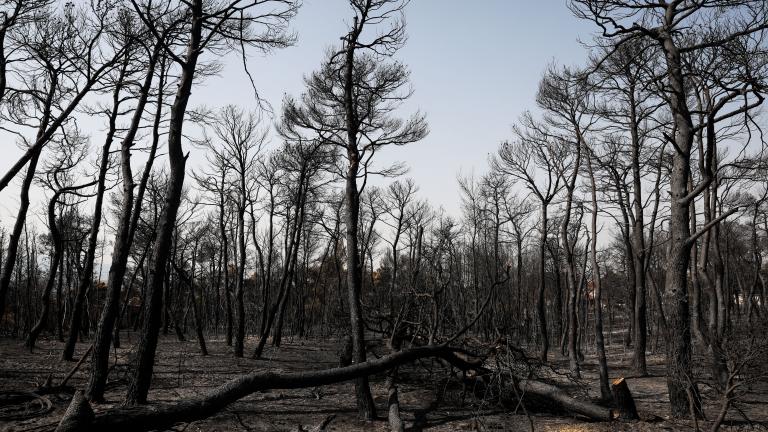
<point x="427" y="402"/>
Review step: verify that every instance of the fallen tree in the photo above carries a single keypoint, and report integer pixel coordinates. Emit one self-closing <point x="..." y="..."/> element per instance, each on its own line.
<point x="163" y="416"/>
<point x="80" y="417"/>
<point x="554" y="393"/>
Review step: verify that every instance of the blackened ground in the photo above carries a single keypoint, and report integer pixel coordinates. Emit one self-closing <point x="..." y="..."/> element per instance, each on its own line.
<point x="428" y="400"/>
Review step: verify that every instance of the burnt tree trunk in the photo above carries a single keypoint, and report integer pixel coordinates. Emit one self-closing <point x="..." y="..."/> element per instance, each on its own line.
<point x="240" y="282"/>
<point x="145" y="354"/>
<point x="13" y="240"/>
<point x="225" y="261"/>
<point x="293" y="239"/>
<point x="365" y="406"/>
<point x="56" y="259"/>
<point x="163" y="416"/>
<point x="570" y="265"/>
<point x="640" y="324"/>
<point x="622" y="397"/>
<point x="541" y="311"/>
<point x="87" y="276"/>
<point x="679" y="379"/>
<point x="121" y="249"/>
<point x="602" y="363"/>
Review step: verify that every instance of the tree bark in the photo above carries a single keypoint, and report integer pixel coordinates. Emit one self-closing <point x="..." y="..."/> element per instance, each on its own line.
<point x="549" y="391"/>
<point x="622" y="397"/>
<point x="163" y="416"/>
<point x="87" y="276"/>
<point x="122" y="246"/>
<point x="640" y="324"/>
<point x="21" y="215"/>
<point x="540" y="307"/>
<point x="679" y="377"/>
<point x="145" y="355"/>
<point x="602" y="363"/>
<point x="365" y="406"/>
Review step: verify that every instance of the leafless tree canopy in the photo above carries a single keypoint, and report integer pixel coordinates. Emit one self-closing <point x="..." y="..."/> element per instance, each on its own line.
<point x="616" y="239"/>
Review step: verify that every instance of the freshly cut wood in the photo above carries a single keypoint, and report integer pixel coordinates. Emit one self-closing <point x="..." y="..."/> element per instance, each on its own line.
<point x="625" y="403"/>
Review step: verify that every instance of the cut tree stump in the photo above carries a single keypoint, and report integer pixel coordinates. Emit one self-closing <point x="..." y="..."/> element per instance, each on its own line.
<point x="625" y="403"/>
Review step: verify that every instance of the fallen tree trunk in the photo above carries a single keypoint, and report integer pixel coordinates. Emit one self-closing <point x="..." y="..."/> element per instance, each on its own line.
<point x="163" y="416"/>
<point x="588" y="409"/>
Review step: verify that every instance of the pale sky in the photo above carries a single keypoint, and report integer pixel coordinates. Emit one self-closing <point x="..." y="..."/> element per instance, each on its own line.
<point x="475" y="66"/>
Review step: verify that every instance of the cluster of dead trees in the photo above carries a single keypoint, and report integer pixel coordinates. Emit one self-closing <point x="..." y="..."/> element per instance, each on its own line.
<point x="632" y="207"/>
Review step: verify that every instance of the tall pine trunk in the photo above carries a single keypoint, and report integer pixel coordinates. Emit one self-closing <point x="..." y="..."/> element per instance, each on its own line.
<point x="153" y="305"/>
<point x="121" y="250"/>
<point x="86" y="278"/>
<point x="365" y="406"/>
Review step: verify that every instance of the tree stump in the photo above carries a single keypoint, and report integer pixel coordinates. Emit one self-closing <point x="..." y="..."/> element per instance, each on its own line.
<point x="625" y="403"/>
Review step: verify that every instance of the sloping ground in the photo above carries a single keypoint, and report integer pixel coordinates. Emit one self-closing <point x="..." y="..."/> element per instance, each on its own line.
<point x="429" y="401"/>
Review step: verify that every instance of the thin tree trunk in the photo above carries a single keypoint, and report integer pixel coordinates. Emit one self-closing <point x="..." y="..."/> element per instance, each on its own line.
<point x="52" y="271"/>
<point x="640" y="324"/>
<point x="87" y="277"/>
<point x="240" y="282"/>
<point x="122" y="245"/>
<point x="145" y="355"/>
<point x="21" y="215"/>
<point x="365" y="406"/>
<point x="540" y="307"/>
<point x="602" y="363"/>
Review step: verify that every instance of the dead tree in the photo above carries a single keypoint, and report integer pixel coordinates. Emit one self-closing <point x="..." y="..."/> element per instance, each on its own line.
<point x="215" y="183"/>
<point x="516" y="212"/>
<point x="16" y="13"/>
<point x="597" y="284"/>
<point x="302" y="164"/>
<point x="80" y="417"/>
<point x="680" y="30"/>
<point x="80" y="31"/>
<point x="123" y="236"/>
<point x="569" y="114"/>
<point x="359" y="123"/>
<point x="206" y="27"/>
<point x="359" y="70"/>
<point x="630" y="108"/>
<point x="238" y="138"/>
<point x="86" y="280"/>
<point x="40" y="103"/>
<point x="521" y="160"/>
<point x="58" y="179"/>
<point x="299" y="162"/>
<point x="400" y="195"/>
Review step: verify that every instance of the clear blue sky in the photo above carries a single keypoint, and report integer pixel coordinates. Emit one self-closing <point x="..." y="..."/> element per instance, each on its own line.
<point x="475" y="67"/>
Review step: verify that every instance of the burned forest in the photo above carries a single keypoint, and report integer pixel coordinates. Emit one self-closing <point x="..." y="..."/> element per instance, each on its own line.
<point x="386" y="215"/>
